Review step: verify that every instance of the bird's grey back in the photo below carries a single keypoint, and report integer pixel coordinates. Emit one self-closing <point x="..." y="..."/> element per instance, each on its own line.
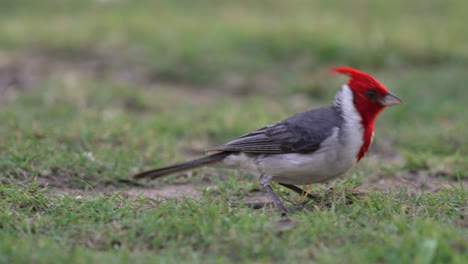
<point x="302" y="133"/>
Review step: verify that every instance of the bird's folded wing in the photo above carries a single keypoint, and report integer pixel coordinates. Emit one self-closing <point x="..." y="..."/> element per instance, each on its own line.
<point x="302" y="133"/>
<point x="255" y="142"/>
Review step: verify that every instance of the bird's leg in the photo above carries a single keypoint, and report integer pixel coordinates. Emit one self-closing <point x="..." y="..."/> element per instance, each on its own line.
<point x="308" y="190"/>
<point x="265" y="181"/>
<point x="301" y="192"/>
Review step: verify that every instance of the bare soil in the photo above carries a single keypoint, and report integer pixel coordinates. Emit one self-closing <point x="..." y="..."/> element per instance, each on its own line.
<point x="413" y="182"/>
<point x="29" y="68"/>
<point x="429" y="181"/>
<point x="418" y="181"/>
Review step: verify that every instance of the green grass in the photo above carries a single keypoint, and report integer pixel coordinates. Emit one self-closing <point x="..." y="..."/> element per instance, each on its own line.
<point x="212" y="71"/>
<point x="387" y="228"/>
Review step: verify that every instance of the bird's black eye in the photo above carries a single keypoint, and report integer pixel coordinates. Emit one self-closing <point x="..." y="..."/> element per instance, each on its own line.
<point x="372" y="95"/>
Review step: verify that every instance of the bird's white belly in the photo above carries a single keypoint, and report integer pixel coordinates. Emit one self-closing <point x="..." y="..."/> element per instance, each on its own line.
<point x="304" y="168"/>
<point x="333" y="159"/>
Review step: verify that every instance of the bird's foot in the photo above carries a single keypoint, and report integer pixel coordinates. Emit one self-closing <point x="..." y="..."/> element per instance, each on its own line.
<point x="276" y="199"/>
<point x="265" y="181"/>
<point x="299" y="191"/>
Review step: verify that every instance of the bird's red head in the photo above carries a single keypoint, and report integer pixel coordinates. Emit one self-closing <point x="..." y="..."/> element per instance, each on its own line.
<point x="370" y="98"/>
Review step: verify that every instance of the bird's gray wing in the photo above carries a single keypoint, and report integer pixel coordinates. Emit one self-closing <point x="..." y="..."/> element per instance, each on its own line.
<point x="302" y="133"/>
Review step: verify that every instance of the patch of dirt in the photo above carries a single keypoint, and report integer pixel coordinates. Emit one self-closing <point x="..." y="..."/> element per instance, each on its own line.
<point x="177" y="191"/>
<point x="417" y="181"/>
<point x="256" y="199"/>
<point x="16" y="75"/>
<point x="162" y="192"/>
<point x="429" y="181"/>
<point x="26" y="69"/>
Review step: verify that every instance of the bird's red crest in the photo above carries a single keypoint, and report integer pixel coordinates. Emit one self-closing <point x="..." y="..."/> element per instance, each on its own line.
<point x="360" y="81"/>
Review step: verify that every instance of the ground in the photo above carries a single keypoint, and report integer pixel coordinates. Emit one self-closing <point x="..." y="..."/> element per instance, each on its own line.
<point x="88" y="99"/>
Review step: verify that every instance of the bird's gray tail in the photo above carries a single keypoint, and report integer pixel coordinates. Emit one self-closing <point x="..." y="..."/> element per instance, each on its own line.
<point x="161" y="172"/>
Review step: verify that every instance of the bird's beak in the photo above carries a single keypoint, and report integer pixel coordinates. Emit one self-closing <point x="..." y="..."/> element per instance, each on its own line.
<point x="390" y="99"/>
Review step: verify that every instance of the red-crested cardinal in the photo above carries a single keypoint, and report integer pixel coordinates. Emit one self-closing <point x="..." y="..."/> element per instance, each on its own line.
<point x="311" y="147"/>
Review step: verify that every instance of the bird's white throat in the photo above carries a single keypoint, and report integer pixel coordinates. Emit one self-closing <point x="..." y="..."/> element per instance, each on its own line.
<point x="352" y="130"/>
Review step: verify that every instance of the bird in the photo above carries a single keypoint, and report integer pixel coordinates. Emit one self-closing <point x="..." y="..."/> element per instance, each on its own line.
<point x="315" y="146"/>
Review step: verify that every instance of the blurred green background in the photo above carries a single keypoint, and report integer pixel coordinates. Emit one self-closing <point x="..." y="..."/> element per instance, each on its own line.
<point x="94" y="91"/>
